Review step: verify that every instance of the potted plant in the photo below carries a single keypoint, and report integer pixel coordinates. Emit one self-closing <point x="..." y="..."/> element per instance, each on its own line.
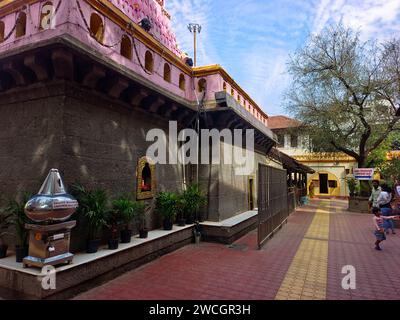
<point x="166" y="205"/>
<point x="125" y="208"/>
<point x="113" y="220"/>
<point x="192" y="201"/>
<point x="180" y="211"/>
<point x="140" y="217"/>
<point x="5" y="223"/>
<point x="352" y="184"/>
<point x="93" y="206"/>
<point x="16" y="208"/>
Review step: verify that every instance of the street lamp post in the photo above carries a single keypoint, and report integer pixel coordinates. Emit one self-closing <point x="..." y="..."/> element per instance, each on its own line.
<point x="194" y="28"/>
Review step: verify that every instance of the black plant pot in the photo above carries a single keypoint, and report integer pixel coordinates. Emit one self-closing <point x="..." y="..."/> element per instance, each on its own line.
<point x="143" y="234"/>
<point x="113" y="244"/>
<point x="21" y="252"/>
<point x="3" y="251"/>
<point x="168" y="224"/>
<point x="126" y="236"/>
<point x="93" y="246"/>
<point x="181" y="222"/>
<point x="190" y="220"/>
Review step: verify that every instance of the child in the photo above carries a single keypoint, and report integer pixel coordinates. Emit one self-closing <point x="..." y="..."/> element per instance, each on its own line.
<point x="379" y="226"/>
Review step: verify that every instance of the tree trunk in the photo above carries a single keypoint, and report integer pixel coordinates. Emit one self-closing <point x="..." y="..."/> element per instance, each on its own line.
<point x="365" y="188"/>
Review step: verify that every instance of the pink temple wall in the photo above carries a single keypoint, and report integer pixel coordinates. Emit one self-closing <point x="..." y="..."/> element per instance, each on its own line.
<point x="68" y="21"/>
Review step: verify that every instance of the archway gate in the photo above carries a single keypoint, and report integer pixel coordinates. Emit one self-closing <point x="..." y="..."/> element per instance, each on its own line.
<point x="274" y="202"/>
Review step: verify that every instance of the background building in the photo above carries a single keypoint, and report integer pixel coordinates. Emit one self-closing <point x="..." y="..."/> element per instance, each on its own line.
<point x="331" y="169"/>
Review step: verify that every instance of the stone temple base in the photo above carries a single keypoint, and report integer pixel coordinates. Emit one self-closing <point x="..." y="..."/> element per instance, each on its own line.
<point x="89" y="270"/>
<point x="228" y="231"/>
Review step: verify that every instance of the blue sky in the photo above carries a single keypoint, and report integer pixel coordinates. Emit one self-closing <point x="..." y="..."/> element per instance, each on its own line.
<point x="252" y="39"/>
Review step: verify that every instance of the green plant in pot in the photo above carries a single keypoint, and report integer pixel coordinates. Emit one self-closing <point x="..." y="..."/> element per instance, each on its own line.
<point x="93" y="206"/>
<point x="125" y="208"/>
<point x="5" y="223"/>
<point x="166" y="206"/>
<point x="352" y="184"/>
<point x="16" y="209"/>
<point x="140" y="218"/>
<point x="113" y="221"/>
<point x="192" y="201"/>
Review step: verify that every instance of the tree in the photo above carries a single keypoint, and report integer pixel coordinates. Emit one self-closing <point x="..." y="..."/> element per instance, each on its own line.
<point x="346" y="91"/>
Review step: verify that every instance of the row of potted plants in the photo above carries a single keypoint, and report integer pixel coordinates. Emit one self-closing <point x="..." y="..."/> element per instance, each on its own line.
<point x="180" y="207"/>
<point x="118" y="216"/>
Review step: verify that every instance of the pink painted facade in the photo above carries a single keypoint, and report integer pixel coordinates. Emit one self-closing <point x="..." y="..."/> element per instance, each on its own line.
<point x="72" y="18"/>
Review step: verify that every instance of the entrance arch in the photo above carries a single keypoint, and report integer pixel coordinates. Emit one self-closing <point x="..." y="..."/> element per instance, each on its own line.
<point x="325" y="184"/>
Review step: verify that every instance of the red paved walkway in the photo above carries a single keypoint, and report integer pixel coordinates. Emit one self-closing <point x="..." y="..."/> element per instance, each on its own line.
<point x="218" y="272"/>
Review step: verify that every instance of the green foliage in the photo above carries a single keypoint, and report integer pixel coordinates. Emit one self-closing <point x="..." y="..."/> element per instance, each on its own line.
<point x="16" y="208"/>
<point x="344" y="91"/>
<point x="140" y="215"/>
<point x="166" y="205"/>
<point x="5" y="224"/>
<point x="125" y="209"/>
<point x="378" y="157"/>
<point x="93" y="206"/>
<point x="352" y="184"/>
<point x="390" y="170"/>
<point x="190" y="201"/>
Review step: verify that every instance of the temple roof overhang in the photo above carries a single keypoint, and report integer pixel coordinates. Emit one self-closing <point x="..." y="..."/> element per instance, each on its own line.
<point x="233" y="116"/>
<point x="325" y="157"/>
<point x="290" y="163"/>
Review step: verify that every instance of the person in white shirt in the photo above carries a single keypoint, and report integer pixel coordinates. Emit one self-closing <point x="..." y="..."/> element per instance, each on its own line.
<point x="376" y="190"/>
<point x="384" y="202"/>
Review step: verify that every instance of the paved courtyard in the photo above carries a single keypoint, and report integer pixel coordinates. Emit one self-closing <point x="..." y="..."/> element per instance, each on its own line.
<point x="303" y="261"/>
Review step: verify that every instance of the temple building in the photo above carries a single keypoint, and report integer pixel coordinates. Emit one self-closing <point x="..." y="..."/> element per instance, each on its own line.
<point x="331" y="169"/>
<point x="82" y="82"/>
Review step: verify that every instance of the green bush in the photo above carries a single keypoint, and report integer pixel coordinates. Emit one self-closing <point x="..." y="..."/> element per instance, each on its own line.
<point x="166" y="205"/>
<point x="93" y="206"/>
<point x="124" y="208"/>
<point x="17" y="210"/>
<point x="191" y="200"/>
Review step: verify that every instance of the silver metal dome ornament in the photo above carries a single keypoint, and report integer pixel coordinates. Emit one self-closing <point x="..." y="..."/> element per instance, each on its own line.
<point x="52" y="204"/>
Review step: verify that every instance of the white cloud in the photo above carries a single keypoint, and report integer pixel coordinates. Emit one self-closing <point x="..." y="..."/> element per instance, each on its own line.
<point x="252" y="39"/>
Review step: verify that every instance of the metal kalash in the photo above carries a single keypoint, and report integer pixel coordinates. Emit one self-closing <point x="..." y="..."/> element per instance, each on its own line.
<point x="49" y="238"/>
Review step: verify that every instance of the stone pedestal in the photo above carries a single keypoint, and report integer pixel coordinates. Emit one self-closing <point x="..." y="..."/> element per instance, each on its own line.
<point x="359" y="204"/>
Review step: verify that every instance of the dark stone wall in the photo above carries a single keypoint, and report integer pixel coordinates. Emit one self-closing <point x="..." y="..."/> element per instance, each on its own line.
<point x="97" y="142"/>
<point x="89" y="138"/>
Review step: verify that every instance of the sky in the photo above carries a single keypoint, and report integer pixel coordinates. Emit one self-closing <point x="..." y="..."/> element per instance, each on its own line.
<point x="253" y="39"/>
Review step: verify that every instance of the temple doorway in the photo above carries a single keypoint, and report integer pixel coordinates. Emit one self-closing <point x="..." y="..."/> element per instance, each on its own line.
<point x="323" y="183"/>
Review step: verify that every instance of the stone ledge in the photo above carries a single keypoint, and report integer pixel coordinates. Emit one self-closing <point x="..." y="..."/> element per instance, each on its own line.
<point x="90" y="270"/>
<point x="228" y="231"/>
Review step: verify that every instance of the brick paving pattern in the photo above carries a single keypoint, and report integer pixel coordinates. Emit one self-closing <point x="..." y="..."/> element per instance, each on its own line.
<point x="305" y="259"/>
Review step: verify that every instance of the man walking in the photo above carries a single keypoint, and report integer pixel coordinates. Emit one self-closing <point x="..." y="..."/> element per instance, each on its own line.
<point x="376" y="191"/>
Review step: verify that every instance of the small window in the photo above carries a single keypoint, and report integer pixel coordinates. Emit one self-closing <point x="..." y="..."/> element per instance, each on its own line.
<point x="332" y="184"/>
<point x="149" y="61"/>
<point x="167" y="72"/>
<point x="294" y="141"/>
<point x="2" y="27"/>
<point x="281" y="140"/>
<point x="202" y="85"/>
<point x="232" y="92"/>
<point x="182" y="82"/>
<point x="224" y="86"/>
<point x="46" y="16"/>
<point x="145" y="179"/>
<point x="96" y="27"/>
<point x="21" y="25"/>
<point x="126" y="47"/>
